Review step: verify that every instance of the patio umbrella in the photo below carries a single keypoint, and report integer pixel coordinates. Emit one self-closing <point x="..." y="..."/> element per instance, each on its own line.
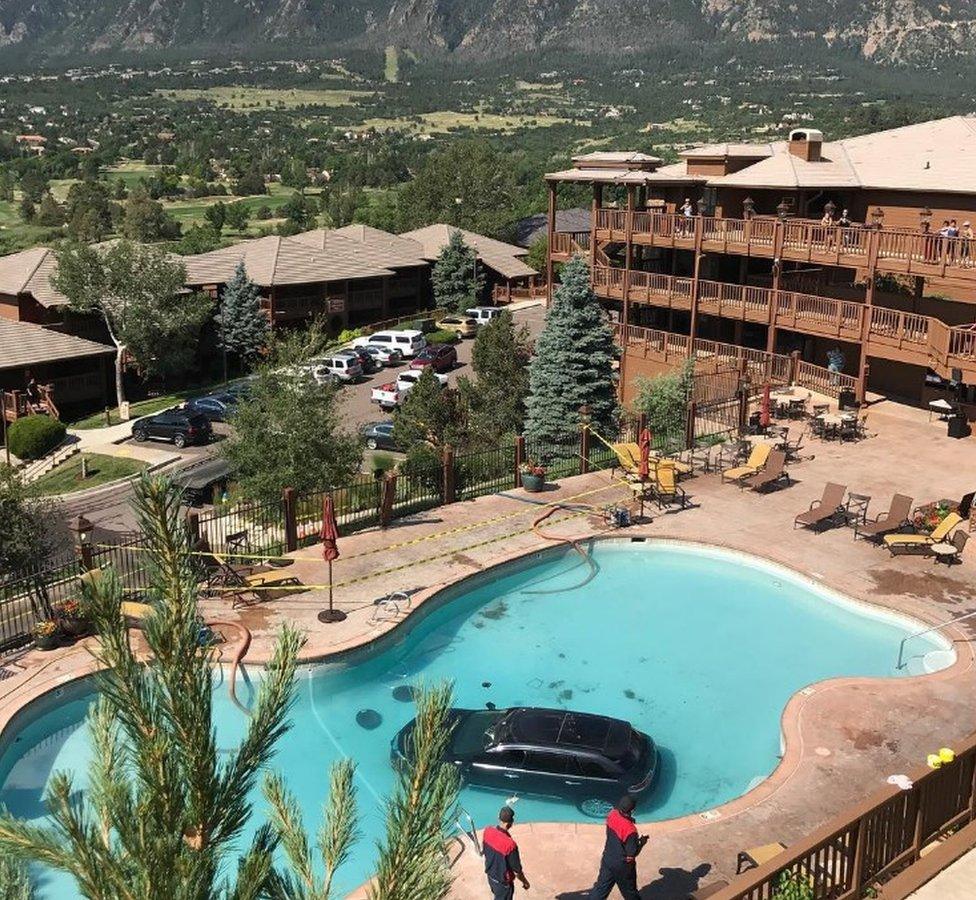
<point x="386" y="503"/>
<point x="644" y="467"/>
<point x="330" y="551"/>
<point x="764" y="417"/>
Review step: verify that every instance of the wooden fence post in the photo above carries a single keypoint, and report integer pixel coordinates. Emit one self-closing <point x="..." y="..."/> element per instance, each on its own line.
<point x="584" y="449"/>
<point x="794" y="366"/>
<point x="449" y="487"/>
<point x="291" y="519"/>
<point x="690" y="425"/>
<point x="519" y="459"/>
<point x="387" y="489"/>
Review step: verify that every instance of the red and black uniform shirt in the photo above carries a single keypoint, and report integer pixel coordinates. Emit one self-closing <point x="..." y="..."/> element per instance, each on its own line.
<point x="621" y="847"/>
<point x="502" y="861"/>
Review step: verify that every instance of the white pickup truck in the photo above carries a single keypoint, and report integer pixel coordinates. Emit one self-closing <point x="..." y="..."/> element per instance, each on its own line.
<point x="389" y="396"/>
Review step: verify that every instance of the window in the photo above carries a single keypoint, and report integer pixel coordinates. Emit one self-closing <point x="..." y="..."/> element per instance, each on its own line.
<point x="589" y="768"/>
<point x="545" y="763"/>
<point x="505" y="759"/>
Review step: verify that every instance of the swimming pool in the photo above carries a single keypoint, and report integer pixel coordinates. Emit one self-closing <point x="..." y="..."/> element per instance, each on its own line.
<point x="698" y="647"/>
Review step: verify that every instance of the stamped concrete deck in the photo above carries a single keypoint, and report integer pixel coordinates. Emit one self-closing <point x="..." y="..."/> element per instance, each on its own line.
<point x="843" y="738"/>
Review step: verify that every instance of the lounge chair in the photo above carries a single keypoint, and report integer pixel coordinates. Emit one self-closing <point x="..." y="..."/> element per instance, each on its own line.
<point x="628" y="456"/>
<point x="922" y="543"/>
<point x="664" y="487"/>
<point x="824" y="511"/>
<point x="757" y="856"/>
<point x="773" y="472"/>
<point x="755" y="462"/>
<point x="896" y="516"/>
<point x="950" y="551"/>
<point x="243" y="584"/>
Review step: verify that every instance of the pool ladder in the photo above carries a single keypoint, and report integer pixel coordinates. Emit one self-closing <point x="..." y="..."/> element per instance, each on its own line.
<point x="390" y="607"/>
<point x="469" y="830"/>
<point x="905" y="640"/>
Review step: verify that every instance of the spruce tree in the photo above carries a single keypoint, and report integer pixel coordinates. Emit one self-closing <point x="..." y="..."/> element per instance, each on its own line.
<point x="455" y="276"/>
<point x="242" y="326"/>
<point x="572" y="368"/>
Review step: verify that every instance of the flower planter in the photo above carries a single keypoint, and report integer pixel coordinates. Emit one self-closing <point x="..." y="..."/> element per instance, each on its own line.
<point x="47" y="642"/>
<point x="533" y="483"/>
<point x="74" y="628"/>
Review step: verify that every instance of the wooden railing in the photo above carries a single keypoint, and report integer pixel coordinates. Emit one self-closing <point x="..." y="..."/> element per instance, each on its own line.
<point x="15" y="404"/>
<point x="888" y="249"/>
<point x="872" y="841"/>
<point x="777" y="368"/>
<point x="503" y="293"/>
<point x="840" y="316"/>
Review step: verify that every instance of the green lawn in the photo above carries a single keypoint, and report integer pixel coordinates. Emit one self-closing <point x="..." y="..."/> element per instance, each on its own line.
<point x="254" y="99"/>
<point x="445" y="121"/>
<point x="392" y="65"/>
<point x="101" y="469"/>
<point x="144" y="407"/>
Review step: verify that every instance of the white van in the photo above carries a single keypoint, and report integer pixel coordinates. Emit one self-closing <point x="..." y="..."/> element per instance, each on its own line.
<point x="408" y="342"/>
<point x="483" y="314"/>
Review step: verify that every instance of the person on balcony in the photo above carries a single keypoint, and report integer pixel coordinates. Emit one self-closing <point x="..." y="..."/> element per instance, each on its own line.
<point x="966" y="244"/>
<point x="687" y="214"/>
<point x="835" y="364"/>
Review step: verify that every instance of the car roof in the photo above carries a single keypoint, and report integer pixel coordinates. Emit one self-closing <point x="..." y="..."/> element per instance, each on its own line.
<point x="565" y="729"/>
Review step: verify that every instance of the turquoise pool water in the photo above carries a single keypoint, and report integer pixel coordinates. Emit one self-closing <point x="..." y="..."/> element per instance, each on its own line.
<point x="699" y="648"/>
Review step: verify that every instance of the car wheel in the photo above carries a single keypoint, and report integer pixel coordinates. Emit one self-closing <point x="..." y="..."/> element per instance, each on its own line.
<point x="595" y="808"/>
<point x="139" y="436"/>
<point x="180" y="440"/>
<point x="371" y="443"/>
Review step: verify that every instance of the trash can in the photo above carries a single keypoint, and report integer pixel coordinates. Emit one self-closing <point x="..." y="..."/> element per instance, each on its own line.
<point x="958" y="426"/>
<point x="847" y="399"/>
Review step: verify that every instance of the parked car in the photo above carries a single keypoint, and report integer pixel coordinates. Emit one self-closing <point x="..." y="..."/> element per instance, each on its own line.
<point x="390" y="395"/>
<point x="482" y="314"/>
<point x="369" y="363"/>
<point x="440" y="357"/>
<point x="214" y="407"/>
<point x="384" y="356"/>
<point x="584" y="758"/>
<point x="463" y="326"/>
<point x="346" y="368"/>
<point x="176" y="425"/>
<point x="409" y="342"/>
<point x="379" y="436"/>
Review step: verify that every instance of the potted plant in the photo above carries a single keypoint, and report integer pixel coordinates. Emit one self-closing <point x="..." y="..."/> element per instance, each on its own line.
<point x="71" y="618"/>
<point x="47" y="636"/>
<point x="533" y="476"/>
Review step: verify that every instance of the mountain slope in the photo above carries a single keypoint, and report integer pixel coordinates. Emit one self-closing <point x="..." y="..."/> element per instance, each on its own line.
<point x="884" y="30"/>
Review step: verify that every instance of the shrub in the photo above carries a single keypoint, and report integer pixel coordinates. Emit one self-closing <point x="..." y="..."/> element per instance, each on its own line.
<point x="442" y="336"/>
<point x="34" y="436"/>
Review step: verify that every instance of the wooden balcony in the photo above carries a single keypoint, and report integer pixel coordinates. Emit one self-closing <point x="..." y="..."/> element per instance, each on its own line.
<point x="893" y="250"/>
<point x="15" y="405"/>
<point x="565" y="245"/>
<point x="890" y="334"/>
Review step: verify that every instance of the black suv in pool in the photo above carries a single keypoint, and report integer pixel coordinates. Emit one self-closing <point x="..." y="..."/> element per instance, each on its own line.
<point x="176" y="425"/>
<point x="580" y="757"/>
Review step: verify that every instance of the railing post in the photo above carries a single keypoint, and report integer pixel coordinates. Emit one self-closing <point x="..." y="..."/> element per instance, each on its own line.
<point x="288" y="506"/>
<point x="386" y="509"/>
<point x="519" y="459"/>
<point x="794" y="366"/>
<point x="690" y="425"/>
<point x="193" y="526"/>
<point x="449" y="492"/>
<point x="584" y="449"/>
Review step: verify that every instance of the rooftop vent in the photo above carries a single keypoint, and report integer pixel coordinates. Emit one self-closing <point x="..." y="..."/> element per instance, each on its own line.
<point x="805" y="143"/>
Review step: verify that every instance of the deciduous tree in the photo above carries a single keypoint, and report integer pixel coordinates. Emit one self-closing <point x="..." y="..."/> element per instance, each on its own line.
<point x="572" y="368"/>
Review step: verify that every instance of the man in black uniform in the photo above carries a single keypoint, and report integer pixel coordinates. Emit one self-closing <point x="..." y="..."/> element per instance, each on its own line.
<point x="618" y="865"/>
<point x="502" y="862"/>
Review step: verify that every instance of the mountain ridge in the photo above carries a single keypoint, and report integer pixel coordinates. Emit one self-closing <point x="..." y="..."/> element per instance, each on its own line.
<point x="886" y="31"/>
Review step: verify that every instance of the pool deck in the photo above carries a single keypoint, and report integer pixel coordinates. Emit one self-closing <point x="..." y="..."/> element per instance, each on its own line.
<point x="843" y="737"/>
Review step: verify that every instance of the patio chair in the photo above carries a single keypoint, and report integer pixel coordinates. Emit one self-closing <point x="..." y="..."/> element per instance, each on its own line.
<point x="664" y="488"/>
<point x="922" y="543"/>
<point x="950" y="551"/>
<point x="772" y="473"/>
<point x="243" y="584"/>
<point x="793" y="448"/>
<point x="896" y="517"/>
<point x="757" y="459"/>
<point x="825" y="511"/>
<point x="628" y="456"/>
<point x="754" y="857"/>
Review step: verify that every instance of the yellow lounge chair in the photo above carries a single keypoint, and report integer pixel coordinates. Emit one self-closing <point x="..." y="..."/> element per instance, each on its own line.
<point x="628" y="456"/>
<point x="755" y="463"/>
<point x="134" y="613"/>
<point x="920" y="543"/>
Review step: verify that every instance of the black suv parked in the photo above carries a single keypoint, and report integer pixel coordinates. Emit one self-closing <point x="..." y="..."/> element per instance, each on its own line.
<point x="587" y="759"/>
<point x="176" y="425"/>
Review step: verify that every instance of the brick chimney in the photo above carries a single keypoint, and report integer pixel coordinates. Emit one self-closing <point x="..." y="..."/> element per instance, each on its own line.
<point x="806" y="143"/>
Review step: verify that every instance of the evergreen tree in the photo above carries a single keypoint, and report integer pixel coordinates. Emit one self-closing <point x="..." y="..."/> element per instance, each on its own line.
<point x="216" y="215"/>
<point x="27" y="209"/>
<point x="14" y="880"/>
<point x="6" y="185"/>
<point x="49" y="213"/>
<point x="430" y="414"/>
<point x="572" y="368"/>
<point x="455" y="276"/>
<point x="242" y="326"/>
<point x="500" y="359"/>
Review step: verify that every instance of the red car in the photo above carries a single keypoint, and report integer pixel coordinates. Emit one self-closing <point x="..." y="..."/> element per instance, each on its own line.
<point x="440" y="357"/>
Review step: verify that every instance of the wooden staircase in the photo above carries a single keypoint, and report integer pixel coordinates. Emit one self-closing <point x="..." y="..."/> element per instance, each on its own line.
<point x="16" y="404"/>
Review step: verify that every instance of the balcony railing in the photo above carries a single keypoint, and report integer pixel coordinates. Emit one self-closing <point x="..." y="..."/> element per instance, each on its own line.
<point x="922" y="340"/>
<point x="888" y="249"/>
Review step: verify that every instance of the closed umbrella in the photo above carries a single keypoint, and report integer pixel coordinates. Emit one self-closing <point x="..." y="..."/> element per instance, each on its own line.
<point x="764" y="417"/>
<point x="644" y="467"/>
<point x="389" y="495"/>
<point x="330" y="551"/>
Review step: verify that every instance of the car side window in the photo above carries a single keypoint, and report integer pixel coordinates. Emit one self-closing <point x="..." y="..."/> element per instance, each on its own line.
<point x="590" y="768"/>
<point x="546" y="763"/>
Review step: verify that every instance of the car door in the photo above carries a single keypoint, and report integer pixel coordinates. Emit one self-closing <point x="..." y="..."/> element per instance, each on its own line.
<point x="499" y="769"/>
<point x="545" y="773"/>
<point x="384" y="437"/>
<point x="591" y="777"/>
<point x="162" y="426"/>
<point x="208" y="407"/>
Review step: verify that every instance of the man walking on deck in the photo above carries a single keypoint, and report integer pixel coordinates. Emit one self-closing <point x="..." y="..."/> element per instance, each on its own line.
<point x="618" y="865"/>
<point x="502" y="863"/>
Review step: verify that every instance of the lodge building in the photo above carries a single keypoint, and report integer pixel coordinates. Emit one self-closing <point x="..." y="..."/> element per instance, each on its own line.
<point x="731" y="245"/>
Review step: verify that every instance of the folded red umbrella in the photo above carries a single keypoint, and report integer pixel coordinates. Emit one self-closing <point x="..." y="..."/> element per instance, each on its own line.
<point x="330" y="530"/>
<point x="644" y="471"/>
<point x="764" y="416"/>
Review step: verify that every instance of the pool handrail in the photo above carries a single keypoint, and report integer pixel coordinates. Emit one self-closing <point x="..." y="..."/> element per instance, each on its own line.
<point x="929" y="630"/>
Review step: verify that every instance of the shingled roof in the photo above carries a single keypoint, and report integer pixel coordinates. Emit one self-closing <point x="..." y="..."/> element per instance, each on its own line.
<point x="506" y="259"/>
<point x="29" y="272"/>
<point x="23" y="344"/>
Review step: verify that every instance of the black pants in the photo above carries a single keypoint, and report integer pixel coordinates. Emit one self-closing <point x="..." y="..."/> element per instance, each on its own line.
<point x="625" y="878"/>
<point x="500" y="890"/>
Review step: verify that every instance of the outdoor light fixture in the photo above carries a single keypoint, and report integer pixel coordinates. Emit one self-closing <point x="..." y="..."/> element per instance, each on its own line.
<point x="584" y="413"/>
<point x="82" y="530"/>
